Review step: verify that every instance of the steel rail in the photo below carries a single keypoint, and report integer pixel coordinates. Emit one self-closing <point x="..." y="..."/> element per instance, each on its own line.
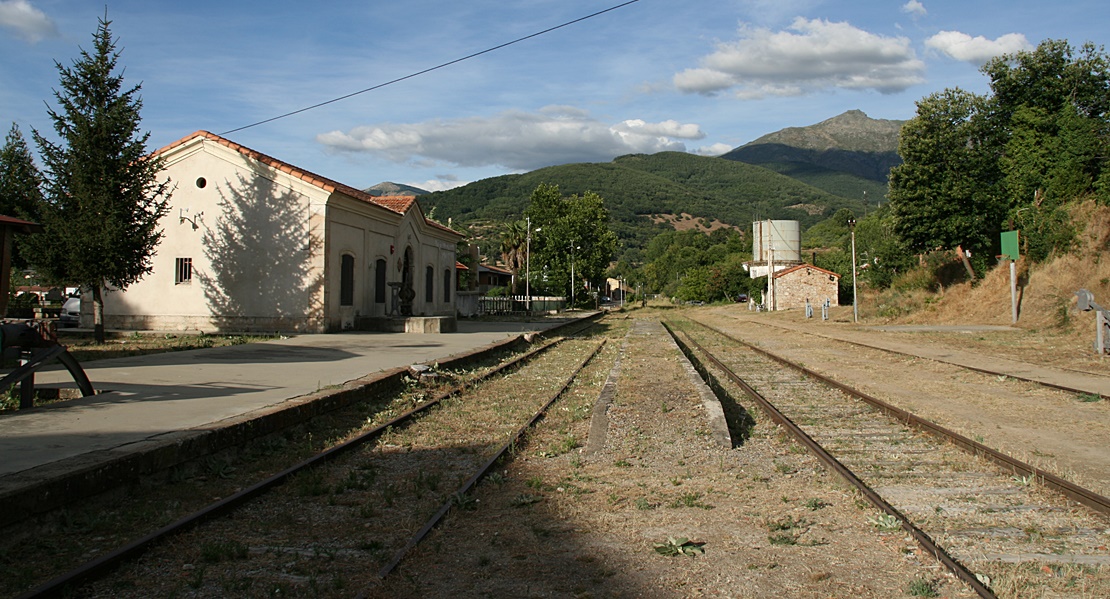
<point x="1026" y="379"/>
<point x="473" y="480"/>
<point x="923" y="539"/>
<point x="1081" y="495"/>
<point x="67" y="582"/>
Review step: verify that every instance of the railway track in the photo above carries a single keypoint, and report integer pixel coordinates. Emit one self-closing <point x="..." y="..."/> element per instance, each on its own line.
<point x="991" y="520"/>
<point x="273" y="533"/>
<point x="1093" y="383"/>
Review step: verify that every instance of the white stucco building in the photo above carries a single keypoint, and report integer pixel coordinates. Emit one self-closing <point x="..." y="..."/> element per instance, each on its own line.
<point x="255" y="244"/>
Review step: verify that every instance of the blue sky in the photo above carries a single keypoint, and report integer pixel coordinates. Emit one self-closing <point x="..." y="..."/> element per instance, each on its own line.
<point x="701" y="76"/>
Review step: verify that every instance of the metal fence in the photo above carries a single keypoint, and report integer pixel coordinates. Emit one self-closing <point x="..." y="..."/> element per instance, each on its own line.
<point x="518" y="304"/>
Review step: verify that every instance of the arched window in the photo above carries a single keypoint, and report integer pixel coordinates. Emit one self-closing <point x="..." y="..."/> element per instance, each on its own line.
<point x="429" y="279"/>
<point x="379" y="281"/>
<point x="347" y="280"/>
<point x="447" y="285"/>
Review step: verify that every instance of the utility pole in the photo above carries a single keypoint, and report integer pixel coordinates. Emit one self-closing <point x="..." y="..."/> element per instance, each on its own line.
<point x="528" y="265"/>
<point x="855" y="302"/>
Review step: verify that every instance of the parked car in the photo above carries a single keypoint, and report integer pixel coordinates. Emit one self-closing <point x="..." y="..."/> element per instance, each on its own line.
<point x="71" y="313"/>
<point x="742" y="298"/>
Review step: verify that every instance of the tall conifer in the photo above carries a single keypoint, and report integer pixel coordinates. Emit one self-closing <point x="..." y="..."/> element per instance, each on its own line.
<point x="20" y="187"/>
<point x="103" y="197"/>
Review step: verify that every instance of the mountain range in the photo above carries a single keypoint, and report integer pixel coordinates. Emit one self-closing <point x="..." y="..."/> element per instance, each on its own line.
<point x="798" y="173"/>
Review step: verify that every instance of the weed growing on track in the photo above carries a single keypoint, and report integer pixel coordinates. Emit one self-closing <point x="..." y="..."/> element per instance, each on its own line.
<point x="919" y="587"/>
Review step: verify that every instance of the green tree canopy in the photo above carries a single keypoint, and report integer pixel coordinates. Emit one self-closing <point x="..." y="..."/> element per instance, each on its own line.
<point x="574" y="231"/>
<point x="103" y="197"/>
<point x="20" y="187"/>
<point x="974" y="166"/>
<point x="945" y="193"/>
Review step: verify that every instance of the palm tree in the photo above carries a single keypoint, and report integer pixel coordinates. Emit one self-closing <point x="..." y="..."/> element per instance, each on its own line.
<point x="513" y="242"/>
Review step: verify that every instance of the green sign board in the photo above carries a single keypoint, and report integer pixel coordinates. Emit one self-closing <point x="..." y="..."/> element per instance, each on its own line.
<point x="1010" y="245"/>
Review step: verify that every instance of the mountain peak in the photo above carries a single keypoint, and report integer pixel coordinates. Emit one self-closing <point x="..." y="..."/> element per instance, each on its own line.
<point x="853" y="131"/>
<point x="390" y="189"/>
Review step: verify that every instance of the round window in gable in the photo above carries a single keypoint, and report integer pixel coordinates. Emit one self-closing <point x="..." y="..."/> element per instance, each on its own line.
<point x="201" y="182"/>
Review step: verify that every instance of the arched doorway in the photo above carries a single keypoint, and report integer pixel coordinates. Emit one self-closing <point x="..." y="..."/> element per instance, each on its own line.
<point x="407" y="292"/>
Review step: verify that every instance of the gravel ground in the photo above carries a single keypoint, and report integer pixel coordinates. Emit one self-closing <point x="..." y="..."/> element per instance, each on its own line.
<point x="758" y="520"/>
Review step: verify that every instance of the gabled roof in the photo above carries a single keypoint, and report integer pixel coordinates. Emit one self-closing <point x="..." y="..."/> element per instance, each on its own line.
<point x="397" y="204"/>
<point x="494" y="269"/>
<point x="801" y="266"/>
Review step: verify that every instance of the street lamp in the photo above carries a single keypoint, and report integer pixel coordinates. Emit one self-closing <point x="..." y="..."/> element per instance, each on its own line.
<point x="572" y="248"/>
<point x="855" y="303"/>
<point x="528" y="262"/>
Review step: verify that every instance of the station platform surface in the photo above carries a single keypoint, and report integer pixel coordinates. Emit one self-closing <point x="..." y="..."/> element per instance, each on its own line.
<point x="140" y="399"/>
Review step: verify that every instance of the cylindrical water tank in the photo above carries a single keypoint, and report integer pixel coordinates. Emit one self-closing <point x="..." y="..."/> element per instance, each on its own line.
<point x="782" y="237"/>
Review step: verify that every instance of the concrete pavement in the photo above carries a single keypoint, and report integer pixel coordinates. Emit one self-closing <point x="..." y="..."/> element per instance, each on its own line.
<point x="145" y="401"/>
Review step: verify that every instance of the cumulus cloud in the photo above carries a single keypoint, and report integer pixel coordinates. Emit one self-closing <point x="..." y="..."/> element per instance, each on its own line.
<point x="914" y="8"/>
<point x="513" y="139"/>
<point x="28" y="22"/>
<point x="717" y="149"/>
<point x="440" y="183"/>
<point x="810" y="55"/>
<point x="976" y="50"/>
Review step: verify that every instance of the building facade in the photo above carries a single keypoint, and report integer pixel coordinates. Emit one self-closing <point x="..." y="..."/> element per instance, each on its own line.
<point x="793" y="286"/>
<point x="252" y="243"/>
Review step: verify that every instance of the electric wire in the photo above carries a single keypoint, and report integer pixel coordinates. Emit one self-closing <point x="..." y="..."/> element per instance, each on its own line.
<point x="430" y="69"/>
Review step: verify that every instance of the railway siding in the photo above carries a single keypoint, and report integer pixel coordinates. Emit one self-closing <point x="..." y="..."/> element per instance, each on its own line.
<point x="999" y="525"/>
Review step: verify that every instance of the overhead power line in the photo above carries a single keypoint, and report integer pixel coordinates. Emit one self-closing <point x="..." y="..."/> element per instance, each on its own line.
<point x="435" y="68"/>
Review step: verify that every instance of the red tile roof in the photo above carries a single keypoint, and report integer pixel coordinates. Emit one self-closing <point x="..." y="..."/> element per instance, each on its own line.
<point x="398" y="204"/>
<point x="801" y="266"/>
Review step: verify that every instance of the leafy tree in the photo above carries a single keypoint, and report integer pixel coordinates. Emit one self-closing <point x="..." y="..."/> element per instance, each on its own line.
<point x="20" y="187"/>
<point x="879" y="248"/>
<point x="514" y="246"/>
<point x="1016" y="158"/>
<point x="103" y="197"/>
<point x="945" y="193"/>
<point x="574" y="234"/>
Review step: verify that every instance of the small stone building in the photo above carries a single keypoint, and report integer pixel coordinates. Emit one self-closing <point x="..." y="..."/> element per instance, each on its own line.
<point x="805" y="281"/>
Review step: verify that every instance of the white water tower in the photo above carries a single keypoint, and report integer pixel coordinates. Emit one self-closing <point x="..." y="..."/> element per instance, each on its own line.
<point x="776" y="245"/>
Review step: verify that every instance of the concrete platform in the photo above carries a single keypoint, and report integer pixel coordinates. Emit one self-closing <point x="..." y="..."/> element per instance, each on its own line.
<point x="171" y="402"/>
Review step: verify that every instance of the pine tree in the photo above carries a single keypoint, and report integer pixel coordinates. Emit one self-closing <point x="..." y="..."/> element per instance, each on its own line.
<point x="20" y="187"/>
<point x="103" y="197"/>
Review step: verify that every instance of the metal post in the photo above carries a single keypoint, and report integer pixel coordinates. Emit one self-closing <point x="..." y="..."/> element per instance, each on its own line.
<point x="1100" y="333"/>
<point x="855" y="302"/>
<point x="572" y="276"/>
<point x="1013" y="290"/>
<point x="528" y="266"/>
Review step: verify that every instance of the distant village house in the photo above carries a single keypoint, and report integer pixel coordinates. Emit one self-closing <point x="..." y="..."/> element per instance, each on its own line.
<point x="794" y="285"/>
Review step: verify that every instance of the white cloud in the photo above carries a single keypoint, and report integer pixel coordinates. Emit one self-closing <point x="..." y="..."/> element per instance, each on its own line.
<point x="717" y="149"/>
<point x="440" y="183"/>
<point x="809" y="56"/>
<point x="976" y="50"/>
<point x="914" y="8"/>
<point x="513" y="139"/>
<point x="28" y="22"/>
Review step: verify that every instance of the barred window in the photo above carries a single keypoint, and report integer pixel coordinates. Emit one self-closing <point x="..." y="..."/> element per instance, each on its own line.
<point x="183" y="271"/>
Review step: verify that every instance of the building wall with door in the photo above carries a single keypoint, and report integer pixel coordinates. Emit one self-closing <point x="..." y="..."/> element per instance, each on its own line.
<point x="795" y="285"/>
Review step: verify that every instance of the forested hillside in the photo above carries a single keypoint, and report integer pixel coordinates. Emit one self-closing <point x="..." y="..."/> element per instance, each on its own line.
<point x="846" y="155"/>
<point x="637" y="186"/>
